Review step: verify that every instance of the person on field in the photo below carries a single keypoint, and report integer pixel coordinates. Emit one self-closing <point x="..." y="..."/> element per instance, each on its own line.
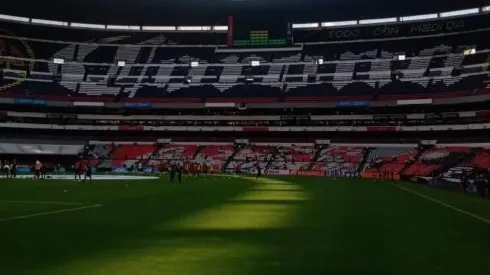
<point x="44" y="170"/>
<point x="259" y="171"/>
<point x="88" y="173"/>
<point x="464" y="182"/>
<point x="179" y="173"/>
<point x="172" y="173"/>
<point x="13" y="169"/>
<point x="78" y="170"/>
<point x="37" y="168"/>
<point x="481" y="185"/>
<point x="6" y="170"/>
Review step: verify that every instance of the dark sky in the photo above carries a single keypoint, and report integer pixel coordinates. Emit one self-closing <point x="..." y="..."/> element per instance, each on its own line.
<point x="215" y="11"/>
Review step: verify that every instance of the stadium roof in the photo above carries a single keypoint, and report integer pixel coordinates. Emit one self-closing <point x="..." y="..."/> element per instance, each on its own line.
<point x="215" y="11"/>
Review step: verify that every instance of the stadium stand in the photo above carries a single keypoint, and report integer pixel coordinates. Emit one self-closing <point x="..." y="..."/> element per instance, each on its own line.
<point x="215" y="155"/>
<point x="434" y="68"/>
<point x="480" y="158"/>
<point x="171" y="153"/>
<point x="250" y="156"/>
<point x="127" y="155"/>
<point x="384" y="159"/>
<point x="436" y="158"/>
<point x="190" y="69"/>
<point x="339" y="159"/>
<point x="98" y="155"/>
<point x="293" y="157"/>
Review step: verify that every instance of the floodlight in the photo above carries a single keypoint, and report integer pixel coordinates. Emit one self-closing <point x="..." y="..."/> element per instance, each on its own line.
<point x="459" y="12"/>
<point x="58" y="61"/>
<point x="469" y="51"/>
<point x="401" y="57"/>
<point x="255" y="63"/>
<point x="121" y="63"/>
<point x="194" y="63"/>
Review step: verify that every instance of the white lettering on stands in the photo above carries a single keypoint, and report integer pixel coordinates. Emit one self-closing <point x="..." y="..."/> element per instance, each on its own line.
<point x="349" y="33"/>
<point x="386" y="31"/>
<point x="437" y="27"/>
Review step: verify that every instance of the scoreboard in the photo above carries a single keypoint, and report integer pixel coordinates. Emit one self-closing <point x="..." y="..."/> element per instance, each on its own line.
<point x="247" y="32"/>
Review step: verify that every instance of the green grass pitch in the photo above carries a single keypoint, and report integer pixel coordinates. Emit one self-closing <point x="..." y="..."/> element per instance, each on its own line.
<point x="240" y="226"/>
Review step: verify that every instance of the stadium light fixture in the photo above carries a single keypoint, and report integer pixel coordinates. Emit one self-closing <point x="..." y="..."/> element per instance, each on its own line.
<point x="419" y="17"/>
<point x="194" y="28"/>
<point x="49" y="22"/>
<point x="58" y="61"/>
<point x="255" y="63"/>
<point x="5" y="17"/>
<point x="87" y="26"/>
<point x="339" y="23"/>
<point x="123" y="28"/>
<point x="121" y="63"/>
<point x="400" y="57"/>
<point x="194" y="64"/>
<point x="220" y="28"/>
<point x="485" y="9"/>
<point x="158" y="28"/>
<point x="459" y="12"/>
<point x="469" y="51"/>
<point x="305" y="25"/>
<point x="319" y="61"/>
<point x="377" y="21"/>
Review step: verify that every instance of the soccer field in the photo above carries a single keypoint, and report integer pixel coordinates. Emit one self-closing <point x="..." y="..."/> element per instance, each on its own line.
<point x="240" y="226"/>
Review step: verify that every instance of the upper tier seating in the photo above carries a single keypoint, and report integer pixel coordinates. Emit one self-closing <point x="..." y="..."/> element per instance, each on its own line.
<point x="39" y="149"/>
<point x="433" y="68"/>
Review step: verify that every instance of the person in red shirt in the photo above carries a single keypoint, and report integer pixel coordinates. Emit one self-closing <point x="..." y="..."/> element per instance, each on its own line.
<point x="193" y="168"/>
<point x="38" y="168"/>
<point x="78" y="169"/>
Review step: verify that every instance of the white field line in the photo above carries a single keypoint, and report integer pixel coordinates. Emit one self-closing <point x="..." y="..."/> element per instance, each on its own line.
<point x="44" y="202"/>
<point x="49" y="213"/>
<point x="443" y="204"/>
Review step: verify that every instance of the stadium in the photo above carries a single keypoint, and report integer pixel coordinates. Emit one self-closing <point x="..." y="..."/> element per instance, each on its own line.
<point x="244" y="137"/>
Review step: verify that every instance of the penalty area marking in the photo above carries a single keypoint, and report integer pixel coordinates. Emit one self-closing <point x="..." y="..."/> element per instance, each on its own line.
<point x="21" y="217"/>
<point x="43" y="202"/>
<point x="442" y="203"/>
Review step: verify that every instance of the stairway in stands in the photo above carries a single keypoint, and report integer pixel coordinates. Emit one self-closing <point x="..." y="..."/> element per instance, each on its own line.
<point x="108" y="159"/>
<point x="315" y="158"/>
<point x="152" y="156"/>
<point x="198" y="151"/>
<point x="237" y="149"/>
<point x="365" y="156"/>
<point x="273" y="158"/>
<point x="415" y="159"/>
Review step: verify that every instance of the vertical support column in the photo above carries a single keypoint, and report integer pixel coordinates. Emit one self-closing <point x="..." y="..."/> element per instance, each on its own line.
<point x="230" y="31"/>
